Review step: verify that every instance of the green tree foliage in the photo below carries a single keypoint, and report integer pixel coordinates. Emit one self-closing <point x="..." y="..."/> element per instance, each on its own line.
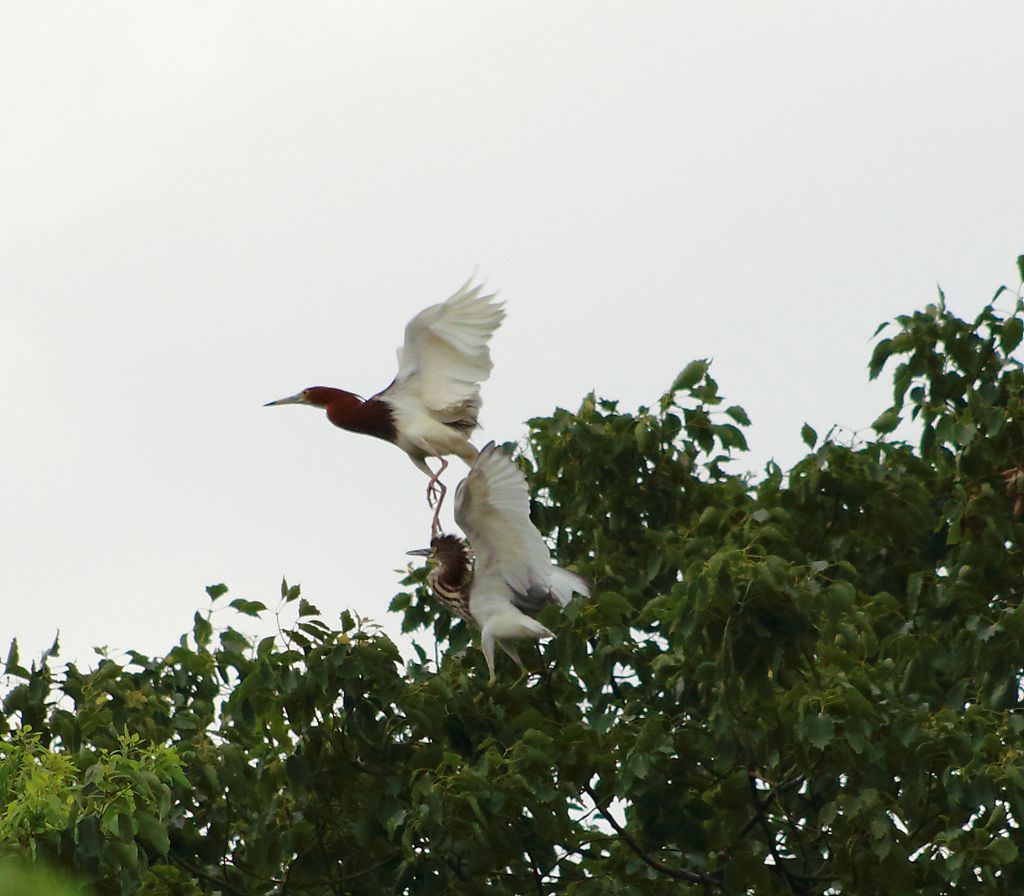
<point x="804" y="682"/>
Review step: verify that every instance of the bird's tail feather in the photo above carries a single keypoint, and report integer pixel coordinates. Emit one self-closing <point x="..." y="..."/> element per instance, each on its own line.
<point x="564" y="584"/>
<point x="528" y="627"/>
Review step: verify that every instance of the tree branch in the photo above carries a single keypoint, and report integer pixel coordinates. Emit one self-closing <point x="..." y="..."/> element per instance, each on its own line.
<point x="766" y="802"/>
<point x="209" y="878"/>
<point x="694" y="877"/>
<point x="759" y="807"/>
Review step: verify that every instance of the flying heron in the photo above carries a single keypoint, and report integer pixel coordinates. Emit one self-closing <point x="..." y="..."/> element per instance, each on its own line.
<point x="431" y="407"/>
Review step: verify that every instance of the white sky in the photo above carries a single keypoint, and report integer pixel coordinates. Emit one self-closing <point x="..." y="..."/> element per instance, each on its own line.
<point x="204" y="207"/>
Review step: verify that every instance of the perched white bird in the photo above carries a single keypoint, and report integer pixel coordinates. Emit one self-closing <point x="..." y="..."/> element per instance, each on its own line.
<point x="431" y="407"/>
<point x="505" y="577"/>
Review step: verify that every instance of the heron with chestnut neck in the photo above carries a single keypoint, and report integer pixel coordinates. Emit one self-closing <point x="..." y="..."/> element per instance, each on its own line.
<point x="432" y="406"/>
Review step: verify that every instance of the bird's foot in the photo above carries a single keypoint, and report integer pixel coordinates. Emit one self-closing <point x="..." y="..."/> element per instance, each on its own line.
<point x="435" y="492"/>
<point x="435" y="488"/>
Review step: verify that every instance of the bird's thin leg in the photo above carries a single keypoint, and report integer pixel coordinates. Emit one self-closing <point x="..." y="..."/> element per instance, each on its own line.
<point x="435" y="487"/>
<point x="487" y="646"/>
<point x="435" y="526"/>
<point x="512" y="652"/>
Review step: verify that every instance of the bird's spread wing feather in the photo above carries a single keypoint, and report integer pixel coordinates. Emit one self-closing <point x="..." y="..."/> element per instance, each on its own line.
<point x="445" y="356"/>
<point x="565" y="584"/>
<point x="492" y="506"/>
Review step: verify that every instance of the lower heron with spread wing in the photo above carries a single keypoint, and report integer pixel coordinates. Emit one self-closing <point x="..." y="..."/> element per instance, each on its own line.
<point x="503" y="576"/>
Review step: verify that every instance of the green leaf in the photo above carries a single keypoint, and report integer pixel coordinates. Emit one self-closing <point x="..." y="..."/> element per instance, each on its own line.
<point x="13" y="667"/>
<point x="730" y="436"/>
<point x="54" y="648"/>
<point x="95" y="773"/>
<point x="115" y="823"/>
<point x="400" y="602"/>
<point x="879" y="356"/>
<point x="201" y="629"/>
<point x="153" y="831"/>
<point x="1020" y="266"/>
<point x="614" y="605"/>
<point x="963" y="433"/>
<point x="394" y="819"/>
<point x="307" y="609"/>
<point x="819" y="729"/>
<point x="298" y="769"/>
<point x="89" y="837"/>
<point x="1003" y="850"/>
<point x="248" y="607"/>
<point x="216" y="591"/>
<point x="1012" y="332"/>
<point x="642" y="434"/>
<point x="234" y="641"/>
<point x="738" y="414"/>
<point x="809" y="436"/>
<point x="886" y="422"/>
<point x="690" y="375"/>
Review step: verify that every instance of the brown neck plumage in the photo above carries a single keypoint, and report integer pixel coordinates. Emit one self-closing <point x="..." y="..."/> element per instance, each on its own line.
<point x="348" y="411"/>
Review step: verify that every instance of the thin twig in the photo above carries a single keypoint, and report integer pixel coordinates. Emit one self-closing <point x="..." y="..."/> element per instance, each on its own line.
<point x="209" y="878"/>
<point x="770" y="838"/>
<point x="537" y="873"/>
<point x="766" y="802"/>
<point x="694" y="877"/>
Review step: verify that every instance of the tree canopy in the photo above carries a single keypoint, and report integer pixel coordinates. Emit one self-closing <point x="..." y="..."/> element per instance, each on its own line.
<point x="805" y="681"/>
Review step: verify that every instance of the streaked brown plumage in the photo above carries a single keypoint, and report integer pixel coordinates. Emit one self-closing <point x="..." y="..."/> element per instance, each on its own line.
<point x="450" y="576"/>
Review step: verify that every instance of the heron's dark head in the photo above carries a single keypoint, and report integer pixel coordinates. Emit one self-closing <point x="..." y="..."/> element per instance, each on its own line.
<point x="443" y="549"/>
<point x="315" y="396"/>
<point x="449" y="554"/>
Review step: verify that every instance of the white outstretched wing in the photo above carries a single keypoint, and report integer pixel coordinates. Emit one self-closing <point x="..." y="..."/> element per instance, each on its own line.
<point x="492" y="506"/>
<point x="445" y="356"/>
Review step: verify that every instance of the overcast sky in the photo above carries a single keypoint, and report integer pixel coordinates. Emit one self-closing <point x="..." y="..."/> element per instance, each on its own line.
<point x="204" y="207"/>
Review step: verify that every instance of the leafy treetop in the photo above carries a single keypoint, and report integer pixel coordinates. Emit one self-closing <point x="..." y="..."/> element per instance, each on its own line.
<point x="807" y="682"/>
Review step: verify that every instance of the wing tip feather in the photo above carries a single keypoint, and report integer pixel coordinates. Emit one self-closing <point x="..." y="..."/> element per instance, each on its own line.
<point x="565" y="584"/>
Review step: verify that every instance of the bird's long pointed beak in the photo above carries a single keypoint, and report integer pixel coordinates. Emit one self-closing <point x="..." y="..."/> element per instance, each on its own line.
<point x="419" y="552"/>
<point x="291" y="399"/>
